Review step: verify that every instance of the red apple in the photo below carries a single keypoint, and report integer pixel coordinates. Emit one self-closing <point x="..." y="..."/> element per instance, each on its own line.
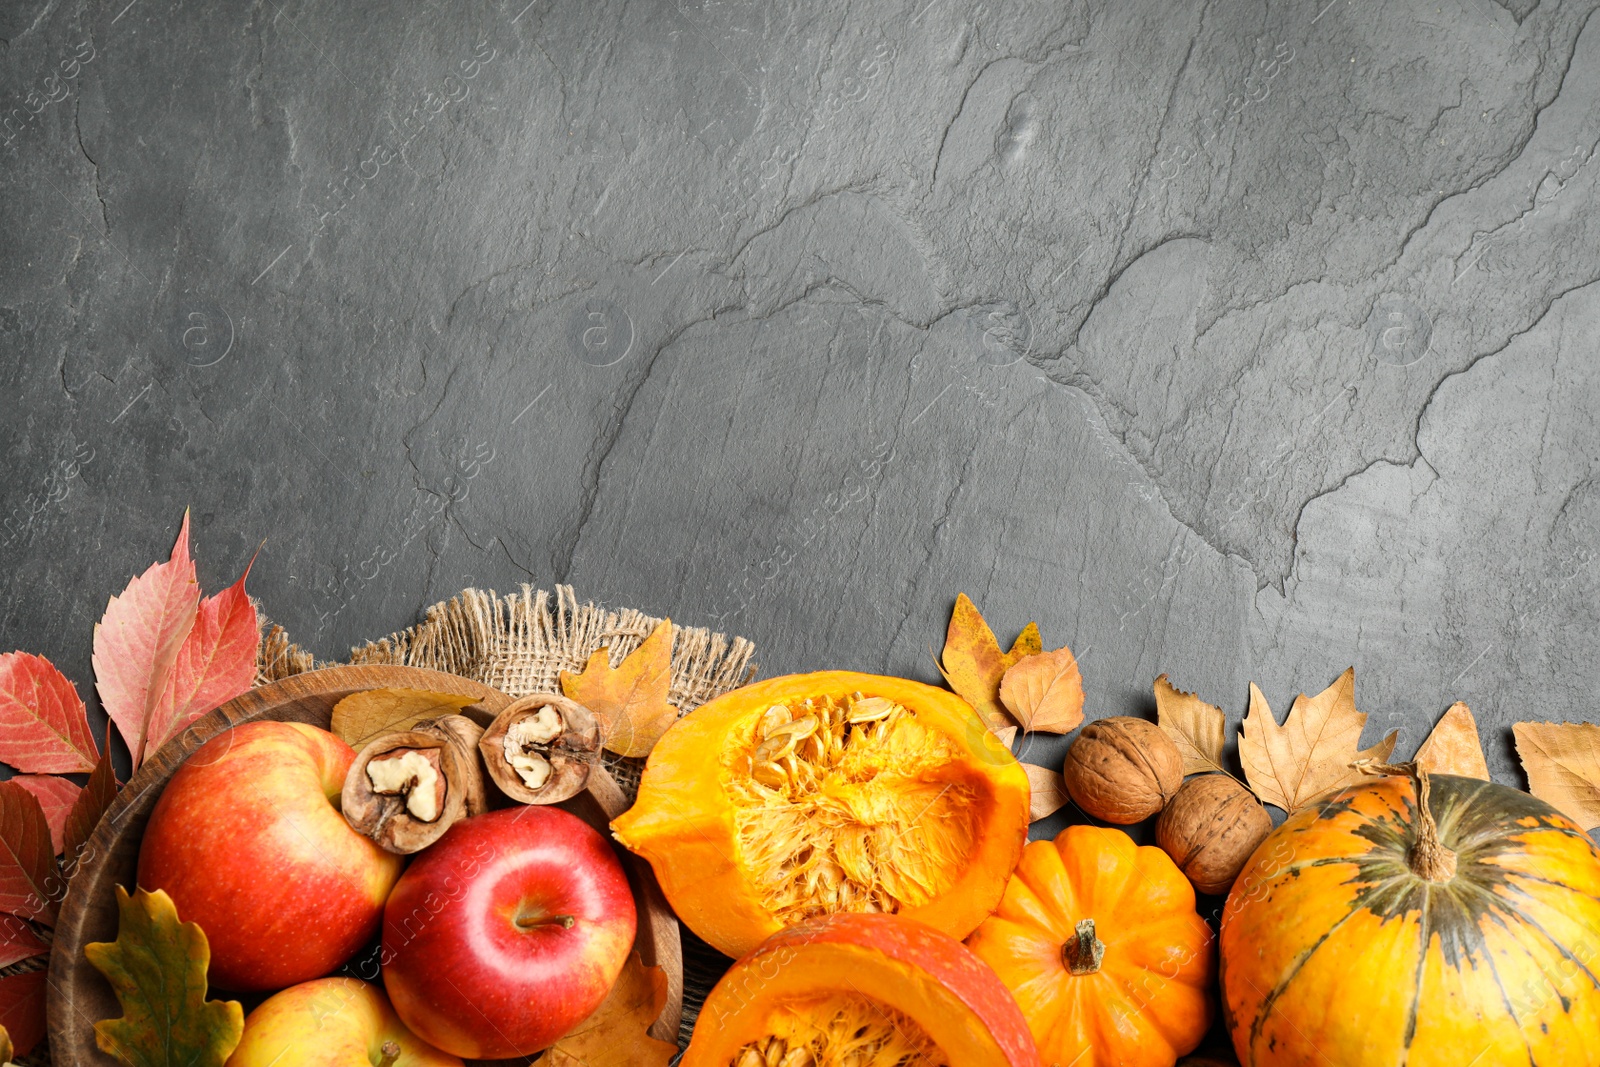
<point x="507" y="932"/>
<point x="332" y="1022"/>
<point x="248" y="841"/>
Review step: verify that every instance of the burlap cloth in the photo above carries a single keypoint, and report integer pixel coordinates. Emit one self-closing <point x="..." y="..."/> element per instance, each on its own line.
<point x="520" y="644"/>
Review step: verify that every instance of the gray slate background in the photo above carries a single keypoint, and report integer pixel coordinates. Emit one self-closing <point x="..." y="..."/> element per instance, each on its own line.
<point x="1232" y="340"/>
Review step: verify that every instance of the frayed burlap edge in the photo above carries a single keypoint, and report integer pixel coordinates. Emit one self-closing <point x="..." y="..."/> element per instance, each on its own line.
<point x="521" y="642"/>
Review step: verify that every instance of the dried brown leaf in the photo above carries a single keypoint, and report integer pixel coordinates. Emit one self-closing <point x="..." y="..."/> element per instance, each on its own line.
<point x="615" y="1035"/>
<point x="361" y="718"/>
<point x="629" y="700"/>
<point x="1562" y="761"/>
<point x="1197" y="728"/>
<point x="1453" y="746"/>
<point x="1049" y="791"/>
<point x="1311" y="753"/>
<point x="973" y="665"/>
<point x="1044" y="692"/>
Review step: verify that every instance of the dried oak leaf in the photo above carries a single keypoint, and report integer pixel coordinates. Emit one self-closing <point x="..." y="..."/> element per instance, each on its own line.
<point x="137" y="641"/>
<point x="1044" y="692"/>
<point x="1453" y="746"/>
<point x="43" y="726"/>
<point x="1049" y="791"/>
<point x="92" y="802"/>
<point x="1197" y="728"/>
<point x="362" y="718"/>
<point x="630" y="700"/>
<point x="216" y="663"/>
<point x="1311" y="753"/>
<point x="1562" y="761"/>
<point x="973" y="665"/>
<point x="29" y="882"/>
<point x="157" y="968"/>
<point x="615" y="1035"/>
<point x="22" y="1015"/>
<point x="56" y="796"/>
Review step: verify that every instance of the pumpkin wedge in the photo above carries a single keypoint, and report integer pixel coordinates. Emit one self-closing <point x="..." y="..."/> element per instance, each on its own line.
<point x="1376" y="928"/>
<point x="813" y="794"/>
<point x="862" y="990"/>
<point x="1099" y="940"/>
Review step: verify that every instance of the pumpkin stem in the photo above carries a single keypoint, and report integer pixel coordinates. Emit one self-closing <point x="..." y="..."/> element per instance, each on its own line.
<point x="1429" y="858"/>
<point x="1084" y="953"/>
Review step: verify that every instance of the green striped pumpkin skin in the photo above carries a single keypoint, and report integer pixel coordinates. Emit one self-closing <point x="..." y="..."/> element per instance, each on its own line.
<point x="1334" y="953"/>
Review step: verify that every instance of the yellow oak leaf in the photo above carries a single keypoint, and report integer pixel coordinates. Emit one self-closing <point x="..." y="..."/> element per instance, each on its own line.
<point x="1562" y="761"/>
<point x="1197" y="728"/>
<point x="1044" y="692"/>
<point x="1310" y="754"/>
<point x="364" y="717"/>
<point x="157" y="968"/>
<point x="1453" y="746"/>
<point x="973" y="665"/>
<point x="615" y="1035"/>
<point x="1049" y="791"/>
<point x="629" y="701"/>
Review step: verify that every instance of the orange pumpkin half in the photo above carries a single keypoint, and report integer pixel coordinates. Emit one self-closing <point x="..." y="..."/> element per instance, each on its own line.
<point x="863" y="991"/>
<point x="1099" y="941"/>
<point x="813" y="794"/>
<point x="1348" y="939"/>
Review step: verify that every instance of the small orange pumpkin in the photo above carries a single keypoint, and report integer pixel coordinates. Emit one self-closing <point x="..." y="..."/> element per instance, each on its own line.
<point x="865" y="990"/>
<point x="1099" y="941"/>
<point x="1371" y="929"/>
<point x="812" y="794"/>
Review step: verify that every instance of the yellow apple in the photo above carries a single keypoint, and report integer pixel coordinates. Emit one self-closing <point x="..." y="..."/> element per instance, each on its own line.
<point x="332" y="1022"/>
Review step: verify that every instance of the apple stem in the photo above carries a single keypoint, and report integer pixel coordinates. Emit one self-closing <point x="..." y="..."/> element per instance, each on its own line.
<point x="566" y="922"/>
<point x="390" y="1052"/>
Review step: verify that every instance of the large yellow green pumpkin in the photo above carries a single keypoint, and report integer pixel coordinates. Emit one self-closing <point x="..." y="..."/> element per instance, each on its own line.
<point x="1361" y="934"/>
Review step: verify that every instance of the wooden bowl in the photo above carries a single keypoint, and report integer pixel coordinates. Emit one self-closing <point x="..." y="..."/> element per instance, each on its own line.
<point x="79" y="996"/>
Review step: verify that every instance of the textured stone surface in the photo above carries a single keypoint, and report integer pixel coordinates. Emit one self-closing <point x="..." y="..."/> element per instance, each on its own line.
<point x="1236" y="341"/>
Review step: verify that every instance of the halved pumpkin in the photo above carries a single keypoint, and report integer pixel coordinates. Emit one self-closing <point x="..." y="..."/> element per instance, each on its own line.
<point x="862" y="990"/>
<point x="813" y="794"/>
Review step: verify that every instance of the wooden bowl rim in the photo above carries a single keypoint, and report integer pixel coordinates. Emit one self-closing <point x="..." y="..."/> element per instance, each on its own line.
<point x="71" y="1031"/>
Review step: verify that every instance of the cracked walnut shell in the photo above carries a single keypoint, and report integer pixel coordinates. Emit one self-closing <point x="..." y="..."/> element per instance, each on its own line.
<point x="1122" y="770"/>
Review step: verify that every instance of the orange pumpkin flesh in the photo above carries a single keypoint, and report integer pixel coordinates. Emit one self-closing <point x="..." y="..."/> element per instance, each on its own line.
<point x="907" y="804"/>
<point x="1141" y="997"/>
<point x="1336" y="950"/>
<point x="862" y="991"/>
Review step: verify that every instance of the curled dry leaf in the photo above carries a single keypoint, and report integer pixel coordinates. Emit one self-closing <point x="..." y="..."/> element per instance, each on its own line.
<point x="137" y="641"/>
<point x="30" y="884"/>
<point x="1049" y="791"/>
<point x="43" y="726"/>
<point x="56" y="798"/>
<point x="1562" y="761"/>
<point x="1312" y="752"/>
<point x="405" y="789"/>
<point x="615" y="1034"/>
<point x="973" y="665"/>
<point x="157" y="969"/>
<point x="1453" y="746"/>
<point x="1044" y="692"/>
<point x="361" y="718"/>
<point x="1197" y="728"/>
<point x="629" y="701"/>
<point x="540" y="748"/>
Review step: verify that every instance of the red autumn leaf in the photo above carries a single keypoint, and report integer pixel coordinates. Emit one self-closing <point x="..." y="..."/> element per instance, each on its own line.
<point x="216" y="663"/>
<point x="56" y="796"/>
<point x="92" y="803"/>
<point x="28" y="880"/>
<point x="18" y="941"/>
<point x="137" y="641"/>
<point x="22" y="1009"/>
<point x="43" y="728"/>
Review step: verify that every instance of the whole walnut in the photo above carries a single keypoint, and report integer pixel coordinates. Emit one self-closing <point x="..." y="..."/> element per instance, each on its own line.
<point x="1122" y="770"/>
<point x="1210" y="829"/>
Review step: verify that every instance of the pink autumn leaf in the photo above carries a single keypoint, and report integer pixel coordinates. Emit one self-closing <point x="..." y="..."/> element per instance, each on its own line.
<point x="216" y="663"/>
<point x="137" y="642"/>
<point x="43" y="727"/>
<point x="56" y="796"/>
